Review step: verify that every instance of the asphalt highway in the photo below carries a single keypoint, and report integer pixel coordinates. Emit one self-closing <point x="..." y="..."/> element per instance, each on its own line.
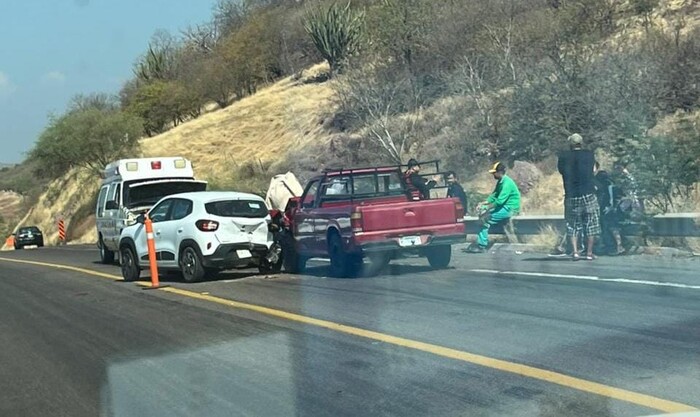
<point x="494" y="335"/>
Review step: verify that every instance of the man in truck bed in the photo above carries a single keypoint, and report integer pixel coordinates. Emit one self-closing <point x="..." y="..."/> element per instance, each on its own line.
<point x="356" y="214"/>
<point x="417" y="187"/>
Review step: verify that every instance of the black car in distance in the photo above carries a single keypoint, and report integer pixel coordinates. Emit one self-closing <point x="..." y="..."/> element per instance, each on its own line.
<point x="28" y="236"/>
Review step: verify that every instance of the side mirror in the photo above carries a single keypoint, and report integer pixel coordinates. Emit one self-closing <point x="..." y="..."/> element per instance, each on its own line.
<point x="293" y="203"/>
<point x="307" y="202"/>
<point x="141" y="219"/>
<point x="111" y="205"/>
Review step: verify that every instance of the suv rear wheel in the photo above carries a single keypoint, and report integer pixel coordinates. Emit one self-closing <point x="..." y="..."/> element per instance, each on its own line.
<point x="191" y="265"/>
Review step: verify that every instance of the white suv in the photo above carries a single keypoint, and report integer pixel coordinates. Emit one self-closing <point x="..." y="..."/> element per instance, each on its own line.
<point x="201" y="233"/>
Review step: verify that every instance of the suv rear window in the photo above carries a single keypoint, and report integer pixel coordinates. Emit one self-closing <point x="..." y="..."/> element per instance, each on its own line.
<point x="237" y="208"/>
<point x="32" y="229"/>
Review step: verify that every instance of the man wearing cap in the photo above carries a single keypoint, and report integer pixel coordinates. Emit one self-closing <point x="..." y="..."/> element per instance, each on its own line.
<point x="500" y="206"/>
<point x="416" y="186"/>
<point x="581" y="210"/>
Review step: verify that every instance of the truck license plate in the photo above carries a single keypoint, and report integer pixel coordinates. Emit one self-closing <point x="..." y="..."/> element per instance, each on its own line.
<point x="410" y="241"/>
<point x="243" y="253"/>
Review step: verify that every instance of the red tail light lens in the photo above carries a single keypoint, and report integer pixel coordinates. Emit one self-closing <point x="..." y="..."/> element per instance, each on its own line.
<point x="155" y="165"/>
<point x="207" y="225"/>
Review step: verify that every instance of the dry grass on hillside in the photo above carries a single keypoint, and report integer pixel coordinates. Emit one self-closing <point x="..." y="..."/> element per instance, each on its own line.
<point x="259" y="129"/>
<point x="548" y="238"/>
<point x="666" y="16"/>
<point x="10" y="205"/>
<point x="69" y="196"/>
<point x="546" y="197"/>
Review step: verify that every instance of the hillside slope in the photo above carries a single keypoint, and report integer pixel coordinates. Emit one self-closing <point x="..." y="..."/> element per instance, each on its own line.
<point x="258" y="130"/>
<point x="10" y="211"/>
<point x="236" y="147"/>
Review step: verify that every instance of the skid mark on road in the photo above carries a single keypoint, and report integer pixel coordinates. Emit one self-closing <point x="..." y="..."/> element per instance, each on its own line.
<point x="557" y="378"/>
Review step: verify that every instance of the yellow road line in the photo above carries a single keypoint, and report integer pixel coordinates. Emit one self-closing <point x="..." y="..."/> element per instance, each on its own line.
<point x="65" y="267"/>
<point x="485" y="361"/>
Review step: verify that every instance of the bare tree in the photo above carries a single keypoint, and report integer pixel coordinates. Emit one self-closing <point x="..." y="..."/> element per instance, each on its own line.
<point x="387" y="110"/>
<point x="203" y="38"/>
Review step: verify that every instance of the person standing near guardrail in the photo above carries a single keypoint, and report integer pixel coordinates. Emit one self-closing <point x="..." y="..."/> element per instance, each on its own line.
<point x="576" y="167"/>
<point x="608" y="195"/>
<point x="499" y="207"/>
<point x="631" y="206"/>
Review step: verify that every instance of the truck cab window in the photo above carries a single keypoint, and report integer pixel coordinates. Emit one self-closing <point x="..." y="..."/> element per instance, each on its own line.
<point x="310" y="195"/>
<point x="336" y="186"/>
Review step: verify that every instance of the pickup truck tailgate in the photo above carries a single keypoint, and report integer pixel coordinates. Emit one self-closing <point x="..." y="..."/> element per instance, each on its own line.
<point x="406" y="215"/>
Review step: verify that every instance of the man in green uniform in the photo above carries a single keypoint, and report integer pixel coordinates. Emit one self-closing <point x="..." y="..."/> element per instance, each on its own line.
<point x="499" y="207"/>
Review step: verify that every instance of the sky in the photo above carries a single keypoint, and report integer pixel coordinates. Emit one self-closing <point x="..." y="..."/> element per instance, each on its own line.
<point x="51" y="50"/>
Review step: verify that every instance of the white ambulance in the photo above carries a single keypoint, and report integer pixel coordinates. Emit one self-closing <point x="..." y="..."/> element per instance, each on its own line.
<point x="131" y="187"/>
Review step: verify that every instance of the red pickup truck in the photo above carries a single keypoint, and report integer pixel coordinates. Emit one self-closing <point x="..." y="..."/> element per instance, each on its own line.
<point x="350" y="215"/>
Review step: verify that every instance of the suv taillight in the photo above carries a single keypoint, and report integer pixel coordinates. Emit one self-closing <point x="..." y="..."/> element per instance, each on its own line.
<point x="459" y="211"/>
<point x="207" y="225"/>
<point x="356" y="221"/>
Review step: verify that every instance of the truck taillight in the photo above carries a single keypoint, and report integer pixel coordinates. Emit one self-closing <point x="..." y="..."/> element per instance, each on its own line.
<point x="356" y="221"/>
<point x="155" y="165"/>
<point x="207" y="225"/>
<point x="459" y="211"/>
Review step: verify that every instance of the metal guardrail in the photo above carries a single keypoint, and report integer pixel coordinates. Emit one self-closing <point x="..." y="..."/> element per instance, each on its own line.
<point x="662" y="225"/>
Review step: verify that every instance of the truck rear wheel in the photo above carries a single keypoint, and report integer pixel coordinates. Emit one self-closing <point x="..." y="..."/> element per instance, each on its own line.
<point x="439" y="257"/>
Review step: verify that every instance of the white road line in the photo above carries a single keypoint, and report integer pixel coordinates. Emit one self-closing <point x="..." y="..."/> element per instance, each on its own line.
<point x="590" y="278"/>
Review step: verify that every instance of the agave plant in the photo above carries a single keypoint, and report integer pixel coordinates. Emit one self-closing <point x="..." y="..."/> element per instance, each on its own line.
<point x="336" y="32"/>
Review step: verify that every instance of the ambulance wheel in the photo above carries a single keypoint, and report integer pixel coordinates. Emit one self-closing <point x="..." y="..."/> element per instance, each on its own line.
<point x="106" y="255"/>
